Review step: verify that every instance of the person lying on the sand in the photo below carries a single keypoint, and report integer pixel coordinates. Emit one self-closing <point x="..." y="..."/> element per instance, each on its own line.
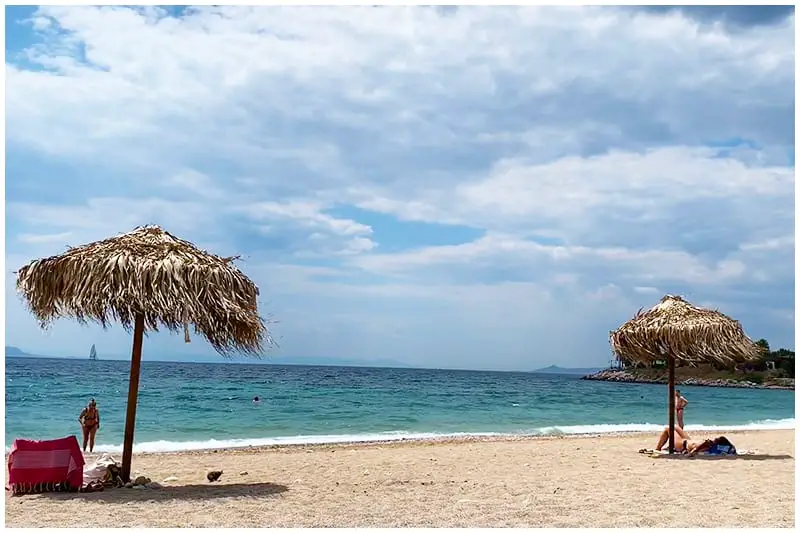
<point x="718" y="446"/>
<point x="682" y="442"/>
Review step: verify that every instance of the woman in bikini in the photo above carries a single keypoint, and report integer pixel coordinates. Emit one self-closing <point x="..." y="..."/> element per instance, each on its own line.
<point x="682" y="442"/>
<point x="718" y="446"/>
<point x="90" y="423"/>
<point x="680" y="405"/>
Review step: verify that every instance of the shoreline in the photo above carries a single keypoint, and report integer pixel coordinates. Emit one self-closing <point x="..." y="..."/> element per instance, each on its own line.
<point x="430" y="441"/>
<point x="231" y="445"/>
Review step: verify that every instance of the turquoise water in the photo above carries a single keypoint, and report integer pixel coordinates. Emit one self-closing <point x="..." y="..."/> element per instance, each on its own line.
<point x="192" y="405"/>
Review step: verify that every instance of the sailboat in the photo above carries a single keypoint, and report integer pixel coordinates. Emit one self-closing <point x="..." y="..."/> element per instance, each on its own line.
<point x="93" y="354"/>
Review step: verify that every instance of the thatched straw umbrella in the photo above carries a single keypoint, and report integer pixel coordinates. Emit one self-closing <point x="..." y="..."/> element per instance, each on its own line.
<point x="147" y="279"/>
<point x="676" y="330"/>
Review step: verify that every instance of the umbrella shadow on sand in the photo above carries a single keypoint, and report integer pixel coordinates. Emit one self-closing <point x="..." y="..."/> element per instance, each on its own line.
<point x="743" y="457"/>
<point x="177" y="492"/>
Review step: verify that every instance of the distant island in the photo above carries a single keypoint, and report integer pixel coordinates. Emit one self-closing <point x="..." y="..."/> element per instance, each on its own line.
<point x="13" y="351"/>
<point x="553" y="369"/>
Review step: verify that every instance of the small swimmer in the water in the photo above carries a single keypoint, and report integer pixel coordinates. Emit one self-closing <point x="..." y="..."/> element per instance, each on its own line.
<point x="256" y="400"/>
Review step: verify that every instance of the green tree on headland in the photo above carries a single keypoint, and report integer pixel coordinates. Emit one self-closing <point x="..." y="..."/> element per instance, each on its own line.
<point x="782" y="360"/>
<point x="763" y="346"/>
<point x="770" y="365"/>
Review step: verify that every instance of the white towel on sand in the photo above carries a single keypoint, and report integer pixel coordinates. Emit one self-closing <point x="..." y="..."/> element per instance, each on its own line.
<point x="96" y="471"/>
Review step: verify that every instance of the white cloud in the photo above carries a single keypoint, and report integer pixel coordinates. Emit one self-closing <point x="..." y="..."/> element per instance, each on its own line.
<point x="497" y="251"/>
<point x="297" y="62"/>
<point x="570" y="194"/>
<point x="577" y="139"/>
<point x="350" y="236"/>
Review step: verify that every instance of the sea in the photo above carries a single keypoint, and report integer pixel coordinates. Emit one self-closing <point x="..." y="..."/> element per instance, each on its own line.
<point x="186" y="406"/>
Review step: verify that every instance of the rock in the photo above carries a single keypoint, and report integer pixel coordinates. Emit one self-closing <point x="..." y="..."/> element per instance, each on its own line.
<point x="141" y="480"/>
<point x="623" y="376"/>
<point x="214" y="475"/>
<point x="128" y="485"/>
<point x="243" y="473"/>
<point x="154" y="485"/>
<point x="141" y="487"/>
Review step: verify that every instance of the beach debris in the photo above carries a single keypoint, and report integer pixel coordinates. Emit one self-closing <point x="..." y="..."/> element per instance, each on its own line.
<point x="93" y="486"/>
<point x="170" y="478"/>
<point x="213" y="475"/>
<point x="141" y="480"/>
<point x="243" y="473"/>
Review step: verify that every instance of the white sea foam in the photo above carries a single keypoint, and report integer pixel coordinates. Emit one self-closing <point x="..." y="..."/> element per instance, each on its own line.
<point x="787" y="423"/>
<point x="173" y="446"/>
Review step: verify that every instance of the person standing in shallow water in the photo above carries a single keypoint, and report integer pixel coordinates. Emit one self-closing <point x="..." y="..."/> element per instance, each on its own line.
<point x="90" y="423"/>
<point x="680" y="405"/>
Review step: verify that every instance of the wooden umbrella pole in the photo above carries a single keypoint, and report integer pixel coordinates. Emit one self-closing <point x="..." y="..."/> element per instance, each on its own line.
<point x="133" y="394"/>
<point x="671" y="364"/>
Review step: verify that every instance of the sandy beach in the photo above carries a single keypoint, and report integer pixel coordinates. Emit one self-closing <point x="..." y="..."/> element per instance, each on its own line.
<point x="572" y="482"/>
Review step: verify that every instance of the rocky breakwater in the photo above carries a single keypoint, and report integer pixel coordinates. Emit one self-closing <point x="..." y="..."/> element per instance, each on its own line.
<point x="624" y="376"/>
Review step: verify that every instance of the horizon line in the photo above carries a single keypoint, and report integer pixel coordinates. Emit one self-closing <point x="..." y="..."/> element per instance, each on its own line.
<point x="267" y="362"/>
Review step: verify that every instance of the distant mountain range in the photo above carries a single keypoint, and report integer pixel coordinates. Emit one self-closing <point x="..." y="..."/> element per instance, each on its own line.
<point x="13" y="351"/>
<point x="553" y="369"/>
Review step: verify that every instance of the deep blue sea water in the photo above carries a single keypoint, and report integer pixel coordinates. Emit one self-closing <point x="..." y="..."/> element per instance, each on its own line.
<point x="195" y="405"/>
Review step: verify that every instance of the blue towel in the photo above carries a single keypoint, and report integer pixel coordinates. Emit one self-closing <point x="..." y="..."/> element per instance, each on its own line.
<point x="721" y="449"/>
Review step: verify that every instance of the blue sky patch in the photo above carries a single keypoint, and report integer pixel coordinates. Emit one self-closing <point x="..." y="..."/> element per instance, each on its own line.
<point x="395" y="235"/>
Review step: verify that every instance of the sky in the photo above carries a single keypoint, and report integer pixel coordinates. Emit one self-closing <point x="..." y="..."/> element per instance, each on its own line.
<point x="483" y="188"/>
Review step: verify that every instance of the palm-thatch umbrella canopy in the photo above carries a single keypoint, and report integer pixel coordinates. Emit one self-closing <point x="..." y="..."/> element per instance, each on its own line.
<point x="674" y="330"/>
<point x="144" y="280"/>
